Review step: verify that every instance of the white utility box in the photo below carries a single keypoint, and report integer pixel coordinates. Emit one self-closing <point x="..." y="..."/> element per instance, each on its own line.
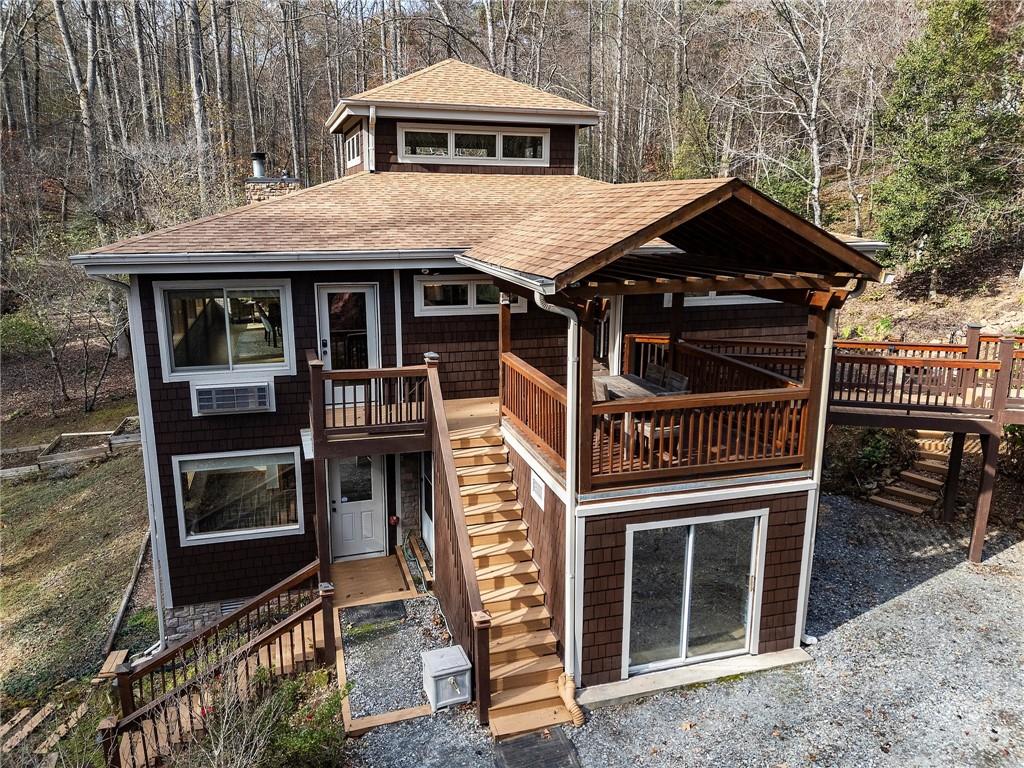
<point x="446" y="676"/>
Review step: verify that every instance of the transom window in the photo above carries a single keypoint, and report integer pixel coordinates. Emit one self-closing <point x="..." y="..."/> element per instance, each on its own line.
<point x="225" y="327"/>
<point x="238" y="495"/>
<point x="354" y="149"/>
<point x="460" y="295"/>
<point x="419" y="143"/>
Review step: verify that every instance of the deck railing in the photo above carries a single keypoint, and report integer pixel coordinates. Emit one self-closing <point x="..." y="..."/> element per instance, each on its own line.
<point x="455" y="581"/>
<point x="371" y="401"/>
<point x="156" y="676"/>
<point x="668" y="437"/>
<point x="150" y="734"/>
<point x="782" y="357"/>
<point x="535" y="404"/>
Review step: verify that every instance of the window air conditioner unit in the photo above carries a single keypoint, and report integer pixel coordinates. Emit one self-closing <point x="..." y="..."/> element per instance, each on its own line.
<point x="216" y="399"/>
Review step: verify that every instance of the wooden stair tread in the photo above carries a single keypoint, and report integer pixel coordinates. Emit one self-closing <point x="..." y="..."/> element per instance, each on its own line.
<point x="518" y="642"/>
<point x="921" y="480"/>
<point x="899" y="506"/>
<point x="483" y="470"/>
<point x="20" y="715"/>
<point x="547" y="715"/>
<point x="547" y="662"/>
<point x="479" y="489"/>
<point x="511" y="593"/>
<point x="28" y="727"/>
<point x="486" y="430"/>
<point x="501" y="507"/>
<point x="506" y="569"/>
<point x="481" y="456"/>
<point x="931" y="466"/>
<point x="909" y="493"/>
<point x="498" y="526"/>
<point x="503" y="547"/>
<point x="528" y="694"/>
<point x="519" y="615"/>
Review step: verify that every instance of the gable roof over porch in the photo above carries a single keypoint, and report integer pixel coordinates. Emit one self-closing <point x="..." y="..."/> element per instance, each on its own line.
<point x="725" y="228"/>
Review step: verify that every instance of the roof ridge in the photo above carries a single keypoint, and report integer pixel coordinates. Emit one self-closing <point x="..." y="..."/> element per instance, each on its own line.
<point x="222" y="214"/>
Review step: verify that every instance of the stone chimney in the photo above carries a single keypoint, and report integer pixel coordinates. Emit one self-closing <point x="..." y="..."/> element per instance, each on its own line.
<point x="260" y="187"/>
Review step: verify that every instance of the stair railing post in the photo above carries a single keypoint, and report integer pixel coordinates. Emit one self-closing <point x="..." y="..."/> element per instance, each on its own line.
<point x="1002" y="385"/>
<point x="123" y="689"/>
<point x="326" y="591"/>
<point x="106" y="740"/>
<point x="970" y="378"/>
<point x="482" y="663"/>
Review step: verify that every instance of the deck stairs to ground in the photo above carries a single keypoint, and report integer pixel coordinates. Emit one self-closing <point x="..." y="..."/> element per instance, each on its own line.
<point x="917" y="490"/>
<point x="525" y="665"/>
<point x="180" y="720"/>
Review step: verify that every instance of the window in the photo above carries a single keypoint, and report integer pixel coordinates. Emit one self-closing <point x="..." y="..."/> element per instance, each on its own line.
<point x="239" y="495"/>
<point x="222" y="328"/>
<point x="419" y="143"/>
<point x="354" y="149"/>
<point x="712" y="299"/>
<point x="459" y="295"/>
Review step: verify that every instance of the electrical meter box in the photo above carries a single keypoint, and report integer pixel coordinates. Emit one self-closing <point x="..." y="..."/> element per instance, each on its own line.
<point x="446" y="676"/>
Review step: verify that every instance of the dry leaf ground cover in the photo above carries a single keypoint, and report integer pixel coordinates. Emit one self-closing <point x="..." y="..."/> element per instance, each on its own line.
<point x="68" y="549"/>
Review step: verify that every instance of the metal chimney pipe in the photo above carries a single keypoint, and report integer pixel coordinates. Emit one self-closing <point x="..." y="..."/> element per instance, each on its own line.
<point x="259" y="163"/>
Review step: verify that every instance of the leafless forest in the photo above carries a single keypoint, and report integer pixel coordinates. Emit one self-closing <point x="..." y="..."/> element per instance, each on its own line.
<point x="143" y="112"/>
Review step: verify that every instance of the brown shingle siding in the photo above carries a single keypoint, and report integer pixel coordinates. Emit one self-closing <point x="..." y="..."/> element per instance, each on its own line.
<point x="605" y="565"/>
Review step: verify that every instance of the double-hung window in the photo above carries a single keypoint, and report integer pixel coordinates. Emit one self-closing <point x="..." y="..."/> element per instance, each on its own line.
<point x="238" y="495"/>
<point x="354" y="148"/>
<point x="224" y="329"/>
<point x="459" y="295"/>
<point x="464" y="144"/>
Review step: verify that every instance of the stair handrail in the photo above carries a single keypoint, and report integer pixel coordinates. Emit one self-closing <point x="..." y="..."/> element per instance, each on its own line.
<point x="445" y="464"/>
<point x="128" y="678"/>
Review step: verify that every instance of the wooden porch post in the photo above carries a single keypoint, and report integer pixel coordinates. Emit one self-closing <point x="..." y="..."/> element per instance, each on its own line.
<point x="990" y="459"/>
<point x="323" y="528"/>
<point x="814" y="378"/>
<point x="326" y="591"/>
<point x="956" y="456"/>
<point x="585" y="394"/>
<point x="675" y="328"/>
<point x="504" y="342"/>
<point x="973" y="351"/>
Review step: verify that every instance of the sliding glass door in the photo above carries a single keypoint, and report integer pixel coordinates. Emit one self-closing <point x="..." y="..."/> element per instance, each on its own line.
<point x="689" y="592"/>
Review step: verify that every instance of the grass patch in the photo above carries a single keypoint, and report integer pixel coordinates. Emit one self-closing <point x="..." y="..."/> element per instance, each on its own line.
<point x="23" y="428"/>
<point x="361" y="632"/>
<point x="69" y="548"/>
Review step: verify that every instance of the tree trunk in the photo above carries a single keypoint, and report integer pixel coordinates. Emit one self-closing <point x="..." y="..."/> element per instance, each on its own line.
<point x="135" y="16"/>
<point x="199" y="119"/>
<point x="620" y="13"/>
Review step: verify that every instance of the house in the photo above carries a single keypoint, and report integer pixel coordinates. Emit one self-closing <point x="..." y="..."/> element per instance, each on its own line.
<point x="538" y="373"/>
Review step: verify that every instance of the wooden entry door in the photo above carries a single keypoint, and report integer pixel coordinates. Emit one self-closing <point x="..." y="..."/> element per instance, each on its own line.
<point x="357" y="506"/>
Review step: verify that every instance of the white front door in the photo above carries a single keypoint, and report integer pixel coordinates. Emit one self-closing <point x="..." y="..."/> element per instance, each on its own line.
<point x="357" y="506"/>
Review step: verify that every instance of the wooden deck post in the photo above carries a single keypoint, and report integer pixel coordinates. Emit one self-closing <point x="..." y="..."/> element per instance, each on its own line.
<point x="317" y="414"/>
<point x="989" y="469"/>
<point x="973" y="352"/>
<point x="585" y="394"/>
<point x="326" y="591"/>
<point x="956" y="456"/>
<point x="106" y="739"/>
<point x="1001" y="393"/>
<point x="482" y="663"/>
<point x="814" y="378"/>
<point x="675" y="329"/>
<point x="504" y="342"/>
<point x="322" y="519"/>
<point x="123" y="689"/>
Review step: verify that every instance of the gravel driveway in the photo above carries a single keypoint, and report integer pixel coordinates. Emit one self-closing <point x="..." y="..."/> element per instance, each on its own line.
<point x="920" y="662"/>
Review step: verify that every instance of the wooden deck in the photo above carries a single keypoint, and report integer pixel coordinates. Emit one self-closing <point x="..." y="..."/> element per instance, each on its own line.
<point x="471" y="412"/>
<point x="371" y="580"/>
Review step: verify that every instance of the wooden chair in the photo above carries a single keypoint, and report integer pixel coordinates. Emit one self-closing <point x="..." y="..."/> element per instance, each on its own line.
<point x="655" y="374"/>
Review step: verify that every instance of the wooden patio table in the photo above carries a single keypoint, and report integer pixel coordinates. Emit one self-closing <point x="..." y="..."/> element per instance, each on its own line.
<point x="629" y="386"/>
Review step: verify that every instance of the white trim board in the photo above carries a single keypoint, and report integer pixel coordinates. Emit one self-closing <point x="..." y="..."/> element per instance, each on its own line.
<point x="640" y="686"/>
<point x="150" y="463"/>
<point x="706" y="496"/>
<point x="555" y="483"/>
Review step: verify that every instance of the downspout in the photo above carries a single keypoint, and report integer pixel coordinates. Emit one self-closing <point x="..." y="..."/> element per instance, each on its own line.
<point x="571" y="429"/>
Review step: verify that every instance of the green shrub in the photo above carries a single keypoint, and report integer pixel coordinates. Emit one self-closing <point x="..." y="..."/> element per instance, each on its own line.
<point x="857" y="460"/>
<point x="1011" y="462"/>
<point x="21" y="336"/>
<point x="314" y="733"/>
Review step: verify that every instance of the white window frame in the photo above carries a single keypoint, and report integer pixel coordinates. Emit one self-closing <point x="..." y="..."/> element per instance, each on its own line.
<point x="185" y="540"/>
<point x="472" y="308"/>
<point x="356" y="140"/>
<point x="239" y="373"/>
<point x="758" y="549"/>
<point x="498" y="132"/>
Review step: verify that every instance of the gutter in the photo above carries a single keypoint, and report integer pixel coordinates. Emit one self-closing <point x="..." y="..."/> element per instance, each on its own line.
<point x="540" y="286"/>
<point x="571" y="422"/>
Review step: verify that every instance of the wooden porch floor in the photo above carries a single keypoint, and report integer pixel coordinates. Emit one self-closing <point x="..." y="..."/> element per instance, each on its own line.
<point x="471" y="412"/>
<point x="371" y="580"/>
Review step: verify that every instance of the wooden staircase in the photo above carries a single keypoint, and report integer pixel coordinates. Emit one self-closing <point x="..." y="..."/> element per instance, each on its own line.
<point x="919" y="489"/>
<point x="525" y="665"/>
